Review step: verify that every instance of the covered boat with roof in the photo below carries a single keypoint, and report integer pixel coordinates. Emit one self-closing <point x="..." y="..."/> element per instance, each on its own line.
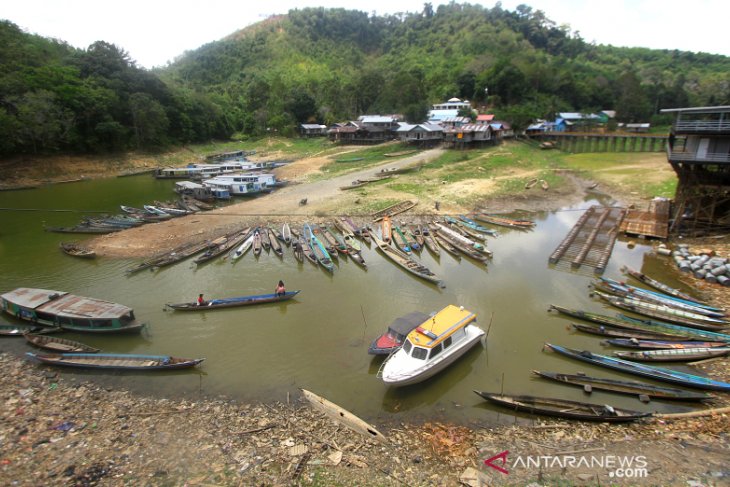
<point x="396" y="333"/>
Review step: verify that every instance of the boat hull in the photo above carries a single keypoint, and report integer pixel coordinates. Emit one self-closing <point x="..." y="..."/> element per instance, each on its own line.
<point x="115" y="361"/>
<point x="233" y="302"/>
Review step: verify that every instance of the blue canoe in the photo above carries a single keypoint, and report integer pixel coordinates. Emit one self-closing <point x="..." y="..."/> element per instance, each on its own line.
<point x="656" y="373"/>
<point x="233" y="302"/>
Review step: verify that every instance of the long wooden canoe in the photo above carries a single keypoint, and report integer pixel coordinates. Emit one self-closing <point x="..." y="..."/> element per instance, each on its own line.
<point x="407" y="263"/>
<point x="659" y="285"/>
<point x="661" y="344"/>
<point x="176" y="255"/>
<point x="233" y="302"/>
<point x="386" y="229"/>
<point x="674" y="354"/>
<point x="622" y="333"/>
<point x="118" y="361"/>
<point x="226" y="244"/>
<point x="75" y="250"/>
<point x="393" y="210"/>
<point x="562" y="408"/>
<point x="657" y="373"/>
<point x="643" y="390"/>
<point x="343" y="416"/>
<point x="504" y="222"/>
<point x="58" y="344"/>
<point x="318" y="249"/>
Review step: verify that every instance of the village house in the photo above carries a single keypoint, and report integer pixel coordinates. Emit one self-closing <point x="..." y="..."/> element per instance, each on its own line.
<point x="448" y="109"/>
<point x="467" y="136"/>
<point x="422" y="134"/>
<point x="312" y="130"/>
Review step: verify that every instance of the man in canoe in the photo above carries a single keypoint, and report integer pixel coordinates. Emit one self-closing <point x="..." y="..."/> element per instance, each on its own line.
<point x="280" y="289"/>
<point x="201" y="301"/>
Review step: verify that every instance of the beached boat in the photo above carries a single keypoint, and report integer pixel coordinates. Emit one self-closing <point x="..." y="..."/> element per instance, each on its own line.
<point x="657" y="373"/>
<point x="176" y="255"/>
<point x="318" y="249"/>
<point x="265" y="243"/>
<point x="460" y="245"/>
<point x="396" y="334"/>
<point x="257" y="245"/>
<point x="241" y="250"/>
<point x="58" y="344"/>
<point x="660" y="285"/>
<point x="561" y="408"/>
<point x="275" y="242"/>
<point x="532" y="182"/>
<point x="222" y="245"/>
<point x="623" y="290"/>
<point x="327" y="239"/>
<point x="286" y="234"/>
<point x="406" y="262"/>
<point x="393" y="210"/>
<point x="429" y="240"/>
<point x="468" y="222"/>
<point x="131" y="210"/>
<point x="432" y="346"/>
<point x="306" y="249"/>
<point x="233" y="302"/>
<point x="661" y="344"/>
<point x="340" y="244"/>
<point x="454" y="236"/>
<point x="417" y="233"/>
<point x="674" y="354"/>
<point x="68" y="311"/>
<point x="155" y="211"/>
<point x="8" y="330"/>
<point x="650" y="326"/>
<point x="644" y="391"/>
<point x="446" y="245"/>
<point x="298" y="251"/>
<point x="664" y="313"/>
<point x="117" y="361"/>
<point x="386" y="229"/>
<point x="83" y="228"/>
<point x="504" y="222"/>
<point x="343" y="416"/>
<point x="73" y="249"/>
<point x="400" y="240"/>
<point x="621" y="333"/>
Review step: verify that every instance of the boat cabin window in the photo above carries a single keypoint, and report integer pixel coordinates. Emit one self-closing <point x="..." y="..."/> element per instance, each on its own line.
<point x="436" y="350"/>
<point x="407" y="347"/>
<point x="47" y="317"/>
<point x="447" y="342"/>
<point x="419" y="353"/>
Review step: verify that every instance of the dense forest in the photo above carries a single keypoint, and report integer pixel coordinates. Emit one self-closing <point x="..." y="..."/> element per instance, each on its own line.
<point x="327" y="65"/>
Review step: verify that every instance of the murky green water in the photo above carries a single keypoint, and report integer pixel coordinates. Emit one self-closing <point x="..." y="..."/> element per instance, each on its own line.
<point x="319" y="341"/>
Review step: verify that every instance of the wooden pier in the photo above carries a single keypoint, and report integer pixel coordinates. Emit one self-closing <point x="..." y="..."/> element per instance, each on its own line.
<point x="591" y="142"/>
<point x="590" y="241"/>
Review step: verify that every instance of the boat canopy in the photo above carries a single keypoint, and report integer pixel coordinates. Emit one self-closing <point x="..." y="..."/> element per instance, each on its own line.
<point x="62" y="304"/>
<point x="441" y="326"/>
<point x="406" y="323"/>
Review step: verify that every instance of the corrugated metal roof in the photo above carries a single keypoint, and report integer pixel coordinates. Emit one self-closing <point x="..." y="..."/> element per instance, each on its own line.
<point x="376" y="119"/>
<point x="30" y="297"/>
<point x="485" y="117"/>
<point x="472" y="127"/>
<point x="313" y="126"/>
<point x="81" y="307"/>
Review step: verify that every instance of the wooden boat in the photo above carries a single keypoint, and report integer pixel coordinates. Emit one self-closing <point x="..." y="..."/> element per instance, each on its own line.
<point x="625" y="291"/>
<point x="469" y="223"/>
<point x="644" y="391"/>
<point x="131" y="210"/>
<point x="275" y="243"/>
<point x="83" y="229"/>
<point x="463" y="229"/>
<point x="429" y="240"/>
<point x="118" y="361"/>
<point x="532" y="182"/>
<point x="343" y="416"/>
<point x="355" y="184"/>
<point x="621" y="333"/>
<point x="8" y="330"/>
<point x="233" y="302"/>
<point x="674" y="354"/>
<point x="417" y="233"/>
<point x="327" y="239"/>
<point x="225" y="245"/>
<point x="400" y="240"/>
<point x="176" y="255"/>
<point x="407" y="263"/>
<point x="298" y="251"/>
<point x="455" y="238"/>
<point x="627" y="323"/>
<point x="58" y="344"/>
<point x="306" y="249"/>
<point x="656" y="373"/>
<point x="286" y="235"/>
<point x="75" y="250"/>
<point x="257" y="242"/>
<point x="504" y="222"/>
<point x="446" y="245"/>
<point x="239" y="251"/>
<point x="265" y="243"/>
<point x="446" y="238"/>
<point x="386" y="229"/>
<point x="396" y="333"/>
<point x="661" y="344"/>
<point x="664" y="313"/>
<point x="432" y="346"/>
<point x="318" y="249"/>
<point x="68" y="311"/>
<point x="393" y="210"/>
<point x="659" y="285"/>
<point x="563" y="408"/>
<point x="340" y="244"/>
<point x="154" y="210"/>
<point x="347" y="222"/>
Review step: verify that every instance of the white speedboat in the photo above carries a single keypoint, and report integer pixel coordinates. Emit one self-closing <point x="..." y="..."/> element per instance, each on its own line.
<point x="431" y="347"/>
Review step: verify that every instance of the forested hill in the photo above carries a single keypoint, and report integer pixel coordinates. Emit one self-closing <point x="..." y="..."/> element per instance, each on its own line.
<point x="329" y="65"/>
<point x="326" y="65"/>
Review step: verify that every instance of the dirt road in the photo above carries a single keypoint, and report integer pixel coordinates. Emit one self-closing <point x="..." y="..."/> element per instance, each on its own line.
<point x="323" y="197"/>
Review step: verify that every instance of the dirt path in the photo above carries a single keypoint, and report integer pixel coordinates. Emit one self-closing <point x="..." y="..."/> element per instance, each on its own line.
<point x="323" y="197"/>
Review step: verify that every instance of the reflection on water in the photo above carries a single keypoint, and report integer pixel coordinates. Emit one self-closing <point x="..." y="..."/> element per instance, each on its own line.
<point x="319" y="341"/>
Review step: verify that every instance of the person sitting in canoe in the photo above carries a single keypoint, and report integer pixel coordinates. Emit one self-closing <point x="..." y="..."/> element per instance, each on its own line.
<point x="280" y="289"/>
<point x="201" y="301"/>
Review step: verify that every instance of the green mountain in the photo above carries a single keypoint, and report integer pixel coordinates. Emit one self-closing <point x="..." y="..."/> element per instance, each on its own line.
<point x="327" y="65"/>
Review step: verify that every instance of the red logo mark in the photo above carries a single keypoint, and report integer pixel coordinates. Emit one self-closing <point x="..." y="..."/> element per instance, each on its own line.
<point x="499" y="456"/>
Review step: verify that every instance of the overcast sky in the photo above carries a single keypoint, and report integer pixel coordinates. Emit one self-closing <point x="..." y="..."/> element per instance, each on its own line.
<point x="154" y="32"/>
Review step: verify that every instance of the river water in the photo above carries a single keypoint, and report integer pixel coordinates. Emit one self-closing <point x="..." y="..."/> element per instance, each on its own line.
<point x="319" y="340"/>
